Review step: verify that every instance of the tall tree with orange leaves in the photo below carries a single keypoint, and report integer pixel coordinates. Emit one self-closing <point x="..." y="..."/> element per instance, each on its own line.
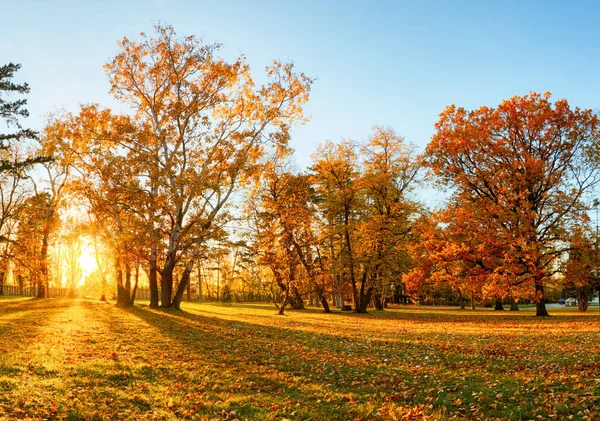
<point x="209" y="127"/>
<point x="525" y="165"/>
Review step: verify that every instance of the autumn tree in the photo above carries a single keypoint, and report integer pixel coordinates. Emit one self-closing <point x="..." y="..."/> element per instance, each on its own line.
<point x="453" y="248"/>
<point x="272" y="249"/>
<point x="389" y="176"/>
<point x="336" y="174"/>
<point x="526" y="166"/>
<point x="208" y="123"/>
<point x="31" y="250"/>
<point x="581" y="268"/>
<point x="363" y="194"/>
<point x="13" y="192"/>
<point x="289" y="239"/>
<point x="108" y="183"/>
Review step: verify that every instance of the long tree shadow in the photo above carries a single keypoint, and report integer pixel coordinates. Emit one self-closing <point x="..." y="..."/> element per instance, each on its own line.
<point x="314" y="366"/>
<point x="257" y="360"/>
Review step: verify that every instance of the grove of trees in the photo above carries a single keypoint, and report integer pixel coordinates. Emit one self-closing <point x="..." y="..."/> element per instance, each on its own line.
<point x="193" y="190"/>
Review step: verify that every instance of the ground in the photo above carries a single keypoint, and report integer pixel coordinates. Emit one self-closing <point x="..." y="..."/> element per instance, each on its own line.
<point x="89" y="360"/>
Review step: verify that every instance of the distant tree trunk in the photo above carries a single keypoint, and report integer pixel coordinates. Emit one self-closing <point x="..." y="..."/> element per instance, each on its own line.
<point x="499" y="304"/>
<point x="121" y="301"/>
<point x="152" y="279"/>
<point x="325" y="304"/>
<point x="361" y="299"/>
<point x="200" y="292"/>
<point x="583" y="299"/>
<point x="323" y="300"/>
<point x="355" y="293"/>
<point x="1" y="283"/>
<point x="296" y="300"/>
<point x="128" y="282"/>
<point x="123" y="288"/>
<point x="365" y="299"/>
<point x="185" y="279"/>
<point x="379" y="302"/>
<point x="540" y="299"/>
<point x="461" y="299"/>
<point x="137" y="278"/>
<point x="43" y="279"/>
<point x="514" y="305"/>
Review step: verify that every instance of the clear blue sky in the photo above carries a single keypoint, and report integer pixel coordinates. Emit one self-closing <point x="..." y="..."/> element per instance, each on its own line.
<point x="392" y="63"/>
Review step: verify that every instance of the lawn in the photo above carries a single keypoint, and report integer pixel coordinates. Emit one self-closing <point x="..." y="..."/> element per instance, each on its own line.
<point x="88" y="360"/>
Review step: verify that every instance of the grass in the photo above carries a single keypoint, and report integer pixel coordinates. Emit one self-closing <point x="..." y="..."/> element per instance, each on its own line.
<point x="88" y="360"/>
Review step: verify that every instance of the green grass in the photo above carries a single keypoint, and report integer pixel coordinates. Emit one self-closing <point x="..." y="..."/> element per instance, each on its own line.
<point x="87" y="360"/>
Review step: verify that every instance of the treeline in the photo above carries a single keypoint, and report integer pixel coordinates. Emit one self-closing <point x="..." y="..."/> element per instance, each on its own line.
<point x="199" y="173"/>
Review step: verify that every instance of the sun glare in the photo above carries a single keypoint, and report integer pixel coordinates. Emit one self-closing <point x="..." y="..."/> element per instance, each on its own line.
<point x="87" y="261"/>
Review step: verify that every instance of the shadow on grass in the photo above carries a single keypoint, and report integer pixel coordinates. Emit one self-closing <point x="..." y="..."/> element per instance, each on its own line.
<point x="256" y="365"/>
<point x="335" y="376"/>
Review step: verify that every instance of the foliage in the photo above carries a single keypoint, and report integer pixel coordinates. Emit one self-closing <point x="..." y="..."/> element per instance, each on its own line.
<point x="10" y="113"/>
<point x="524" y="166"/>
<point x="581" y="268"/>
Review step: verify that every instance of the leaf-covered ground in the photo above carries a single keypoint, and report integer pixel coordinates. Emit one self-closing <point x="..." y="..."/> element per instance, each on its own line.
<point x="88" y="360"/>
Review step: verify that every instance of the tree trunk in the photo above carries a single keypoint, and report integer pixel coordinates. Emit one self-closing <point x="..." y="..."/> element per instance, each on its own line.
<point x="41" y="289"/>
<point x="128" y="282"/>
<point x="121" y="300"/>
<point x="514" y="305"/>
<point x="379" y="302"/>
<point x="540" y="299"/>
<point x="325" y="304"/>
<point x="296" y="300"/>
<point x="166" y="282"/>
<point x="350" y="259"/>
<point x="43" y="279"/>
<point x="137" y="278"/>
<point x="200" y="292"/>
<point x="185" y="279"/>
<point x="498" y="304"/>
<point x="365" y="301"/>
<point x="360" y="302"/>
<point x="473" y="301"/>
<point x="583" y="301"/>
<point x="1" y="283"/>
<point x="152" y="279"/>
<point x="461" y="299"/>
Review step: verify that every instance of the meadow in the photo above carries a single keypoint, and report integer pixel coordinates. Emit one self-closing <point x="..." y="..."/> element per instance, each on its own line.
<point x="89" y="360"/>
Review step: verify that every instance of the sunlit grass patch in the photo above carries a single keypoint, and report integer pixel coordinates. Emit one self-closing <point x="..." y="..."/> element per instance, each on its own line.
<point x="63" y="359"/>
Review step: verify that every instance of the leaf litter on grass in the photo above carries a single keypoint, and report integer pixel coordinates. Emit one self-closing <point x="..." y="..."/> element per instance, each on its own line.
<point x="79" y="359"/>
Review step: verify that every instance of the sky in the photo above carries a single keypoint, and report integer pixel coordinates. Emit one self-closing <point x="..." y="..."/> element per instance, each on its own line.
<point x="390" y="63"/>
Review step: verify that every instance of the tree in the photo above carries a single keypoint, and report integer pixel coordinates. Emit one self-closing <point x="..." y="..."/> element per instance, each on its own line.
<point x="13" y="192"/>
<point x="11" y="112"/>
<point x="453" y="250"/>
<point x="525" y="166"/>
<point x="582" y="265"/>
<point x="206" y="127"/>
<point x="336" y="175"/>
<point x="288" y="240"/>
<point x="36" y="218"/>
<point x="389" y="175"/>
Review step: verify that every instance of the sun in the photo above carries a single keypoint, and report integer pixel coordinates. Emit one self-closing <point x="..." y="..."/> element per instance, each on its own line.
<point x="87" y="262"/>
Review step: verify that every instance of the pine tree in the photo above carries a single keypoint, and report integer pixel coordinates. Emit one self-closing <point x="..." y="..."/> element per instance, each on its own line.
<point x="10" y="113"/>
